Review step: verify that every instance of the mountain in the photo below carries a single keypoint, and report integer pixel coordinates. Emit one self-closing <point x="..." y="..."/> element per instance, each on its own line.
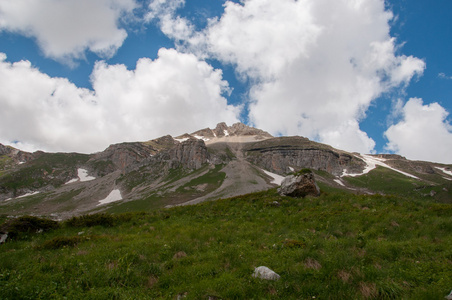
<point x="205" y="165"/>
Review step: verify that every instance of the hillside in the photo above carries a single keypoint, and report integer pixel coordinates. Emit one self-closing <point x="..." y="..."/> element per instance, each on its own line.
<point x="191" y="168"/>
<point x="337" y="246"/>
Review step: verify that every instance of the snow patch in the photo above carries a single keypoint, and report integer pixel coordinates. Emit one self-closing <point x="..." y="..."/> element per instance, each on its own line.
<point x="447" y="178"/>
<point x="201" y="138"/>
<point x="226" y="133"/>
<point x="277" y="179"/>
<point x="83" y="175"/>
<point x="21" y="162"/>
<point x="372" y="162"/>
<point x="181" y="140"/>
<point x="338" y="181"/>
<point x="444" y="170"/>
<point x="291" y="169"/>
<point x="27" y="194"/>
<point x="73" y="180"/>
<point x="114" y="196"/>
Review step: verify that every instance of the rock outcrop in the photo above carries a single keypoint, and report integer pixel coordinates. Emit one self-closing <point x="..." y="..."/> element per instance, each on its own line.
<point x="237" y="129"/>
<point x="191" y="154"/>
<point x="278" y="155"/>
<point x="301" y="185"/>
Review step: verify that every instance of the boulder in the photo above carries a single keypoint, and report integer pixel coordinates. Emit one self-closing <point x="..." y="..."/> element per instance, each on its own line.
<point x="299" y="185"/>
<point x="265" y="273"/>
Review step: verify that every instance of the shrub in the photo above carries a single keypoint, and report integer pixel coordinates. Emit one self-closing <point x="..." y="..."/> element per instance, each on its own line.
<point x="91" y="220"/>
<point x="20" y="227"/>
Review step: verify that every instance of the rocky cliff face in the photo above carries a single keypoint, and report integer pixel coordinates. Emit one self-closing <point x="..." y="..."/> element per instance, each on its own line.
<point x="191" y="154"/>
<point x="122" y="156"/>
<point x="282" y="155"/>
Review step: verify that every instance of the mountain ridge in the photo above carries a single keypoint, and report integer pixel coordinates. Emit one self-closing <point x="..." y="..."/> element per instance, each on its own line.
<point x="205" y="165"/>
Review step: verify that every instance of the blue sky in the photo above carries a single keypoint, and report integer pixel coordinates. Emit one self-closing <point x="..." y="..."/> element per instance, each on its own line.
<point x="367" y="76"/>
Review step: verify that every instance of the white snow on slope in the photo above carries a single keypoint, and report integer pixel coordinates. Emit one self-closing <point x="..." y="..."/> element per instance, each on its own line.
<point x="226" y="133"/>
<point x="338" y="181"/>
<point x="27" y="194"/>
<point x="372" y="162"/>
<point x="201" y="138"/>
<point x="444" y="170"/>
<point x="277" y="179"/>
<point x="82" y="175"/>
<point x="114" y="196"/>
<point x="181" y="140"/>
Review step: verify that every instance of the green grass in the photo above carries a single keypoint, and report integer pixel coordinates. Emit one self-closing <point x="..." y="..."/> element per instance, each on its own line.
<point x="337" y="246"/>
<point x="386" y="181"/>
<point x="42" y="171"/>
<point x="211" y="181"/>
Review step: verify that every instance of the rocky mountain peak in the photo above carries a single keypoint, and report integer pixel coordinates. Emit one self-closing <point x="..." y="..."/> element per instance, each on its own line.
<point x="223" y="130"/>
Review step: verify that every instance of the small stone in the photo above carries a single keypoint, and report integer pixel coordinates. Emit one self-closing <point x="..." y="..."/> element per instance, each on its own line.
<point x="3" y="237"/>
<point x="179" y="255"/>
<point x="265" y="273"/>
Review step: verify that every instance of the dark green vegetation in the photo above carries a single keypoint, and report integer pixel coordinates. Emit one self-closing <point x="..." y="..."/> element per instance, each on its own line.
<point x="337" y="246"/>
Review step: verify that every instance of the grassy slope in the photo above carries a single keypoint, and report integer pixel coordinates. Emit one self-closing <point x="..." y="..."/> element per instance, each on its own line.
<point x="338" y="246"/>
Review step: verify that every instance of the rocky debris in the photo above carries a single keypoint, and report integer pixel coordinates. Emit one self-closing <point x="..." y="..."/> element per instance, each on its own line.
<point x="263" y="272"/>
<point x="301" y="185"/>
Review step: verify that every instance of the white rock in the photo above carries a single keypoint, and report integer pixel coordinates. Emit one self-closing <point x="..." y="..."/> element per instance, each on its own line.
<point x="3" y="237"/>
<point x="265" y="273"/>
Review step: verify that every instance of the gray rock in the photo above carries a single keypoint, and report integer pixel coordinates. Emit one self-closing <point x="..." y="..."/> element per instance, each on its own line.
<point x="449" y="297"/>
<point x="299" y="186"/>
<point x="265" y="273"/>
<point x="3" y="237"/>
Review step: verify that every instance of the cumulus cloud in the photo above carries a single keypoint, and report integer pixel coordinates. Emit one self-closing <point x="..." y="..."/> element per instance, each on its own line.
<point x="65" y="29"/>
<point x="317" y="64"/>
<point x="314" y="67"/>
<point x="172" y="94"/>
<point x="423" y="133"/>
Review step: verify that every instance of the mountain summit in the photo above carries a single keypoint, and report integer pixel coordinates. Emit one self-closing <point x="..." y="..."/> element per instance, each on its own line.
<point x="205" y="165"/>
<point x="238" y="132"/>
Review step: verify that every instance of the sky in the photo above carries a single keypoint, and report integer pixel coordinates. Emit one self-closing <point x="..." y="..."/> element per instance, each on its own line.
<point x="367" y="76"/>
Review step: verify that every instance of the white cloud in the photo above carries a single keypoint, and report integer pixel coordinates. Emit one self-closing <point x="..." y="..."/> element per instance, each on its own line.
<point x="172" y="94"/>
<point x="444" y="76"/>
<point x="314" y="66"/>
<point x="65" y="29"/>
<point x="423" y="133"/>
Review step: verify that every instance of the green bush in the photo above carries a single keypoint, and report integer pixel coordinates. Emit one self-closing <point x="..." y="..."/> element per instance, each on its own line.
<point x="102" y="219"/>
<point x="22" y="226"/>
